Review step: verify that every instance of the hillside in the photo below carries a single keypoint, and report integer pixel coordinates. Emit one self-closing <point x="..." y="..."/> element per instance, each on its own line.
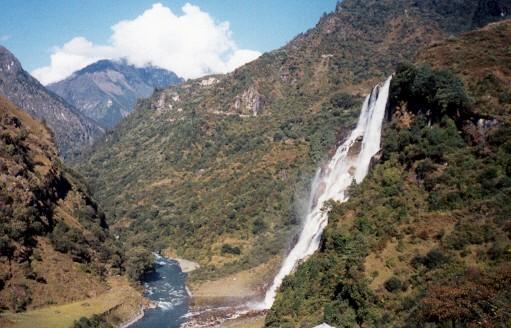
<point x="425" y="240"/>
<point x="72" y="130"/>
<point x="218" y="168"/>
<point x="55" y="246"/>
<point x="106" y="91"/>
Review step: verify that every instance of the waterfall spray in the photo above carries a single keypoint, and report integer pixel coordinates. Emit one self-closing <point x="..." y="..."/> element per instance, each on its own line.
<point x="333" y="180"/>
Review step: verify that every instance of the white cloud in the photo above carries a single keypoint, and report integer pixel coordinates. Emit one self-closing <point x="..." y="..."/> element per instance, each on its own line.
<point x="191" y="45"/>
<point x="5" y="37"/>
<point x="241" y="57"/>
<point x="73" y="55"/>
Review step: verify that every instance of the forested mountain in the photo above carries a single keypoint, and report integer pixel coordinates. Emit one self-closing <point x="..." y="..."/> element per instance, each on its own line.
<point x="107" y="90"/>
<point x="425" y="240"/>
<point x="47" y="220"/>
<point x="218" y="168"/>
<point x="72" y="130"/>
<point x="55" y="245"/>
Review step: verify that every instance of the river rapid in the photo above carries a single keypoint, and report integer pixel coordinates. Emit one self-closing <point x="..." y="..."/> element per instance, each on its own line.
<point x="166" y="288"/>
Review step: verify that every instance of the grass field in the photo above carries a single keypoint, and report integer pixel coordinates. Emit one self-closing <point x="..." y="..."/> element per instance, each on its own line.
<point x="119" y="303"/>
<point x="235" y="288"/>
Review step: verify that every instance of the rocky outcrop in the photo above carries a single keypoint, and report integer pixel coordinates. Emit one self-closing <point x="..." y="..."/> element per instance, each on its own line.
<point x="250" y="102"/>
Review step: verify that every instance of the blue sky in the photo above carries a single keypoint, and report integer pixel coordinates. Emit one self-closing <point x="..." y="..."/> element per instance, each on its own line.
<point x="32" y="28"/>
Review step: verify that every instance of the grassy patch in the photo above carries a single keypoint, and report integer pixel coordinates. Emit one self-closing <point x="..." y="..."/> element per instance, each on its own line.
<point x="118" y="304"/>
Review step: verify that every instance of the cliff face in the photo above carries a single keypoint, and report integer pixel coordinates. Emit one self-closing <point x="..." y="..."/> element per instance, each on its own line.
<point x="226" y="160"/>
<point x="52" y="234"/>
<point x="425" y="240"/>
<point x="72" y="130"/>
<point x="106" y="91"/>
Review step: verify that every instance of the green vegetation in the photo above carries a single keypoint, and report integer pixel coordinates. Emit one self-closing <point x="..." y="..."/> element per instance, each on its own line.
<point x="393" y="284"/>
<point x="482" y="68"/>
<point x="228" y="249"/>
<point x="47" y="221"/>
<point x="428" y="225"/>
<point x="222" y="190"/>
<point x="193" y="168"/>
<point x="138" y="262"/>
<point x="116" y="306"/>
<point x="94" y="322"/>
<point x="434" y="94"/>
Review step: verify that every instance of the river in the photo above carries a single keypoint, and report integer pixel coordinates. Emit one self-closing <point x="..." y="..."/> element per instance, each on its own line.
<point x="166" y="288"/>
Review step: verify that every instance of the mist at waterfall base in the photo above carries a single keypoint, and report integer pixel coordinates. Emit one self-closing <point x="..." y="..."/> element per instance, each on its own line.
<point x="165" y="286"/>
<point x="350" y="163"/>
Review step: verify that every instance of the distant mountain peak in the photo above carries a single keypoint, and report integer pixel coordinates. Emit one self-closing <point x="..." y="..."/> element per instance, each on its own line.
<point x="107" y="90"/>
<point x="8" y="62"/>
<point x="100" y="65"/>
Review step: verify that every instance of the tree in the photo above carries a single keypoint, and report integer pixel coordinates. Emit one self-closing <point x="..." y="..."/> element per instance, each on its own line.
<point x="139" y="261"/>
<point x="393" y="284"/>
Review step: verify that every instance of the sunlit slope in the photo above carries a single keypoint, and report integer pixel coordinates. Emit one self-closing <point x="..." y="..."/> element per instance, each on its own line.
<point x="424" y="241"/>
<point x="218" y="168"/>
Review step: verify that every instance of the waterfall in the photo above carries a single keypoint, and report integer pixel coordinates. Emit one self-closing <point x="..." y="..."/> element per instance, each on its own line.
<point x="350" y="162"/>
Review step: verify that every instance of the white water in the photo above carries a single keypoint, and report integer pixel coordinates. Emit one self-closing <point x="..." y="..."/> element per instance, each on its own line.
<point x="333" y="180"/>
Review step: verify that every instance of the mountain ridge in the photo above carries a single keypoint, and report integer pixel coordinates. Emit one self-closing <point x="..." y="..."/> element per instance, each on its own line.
<point x="107" y="90"/>
<point x="72" y="130"/>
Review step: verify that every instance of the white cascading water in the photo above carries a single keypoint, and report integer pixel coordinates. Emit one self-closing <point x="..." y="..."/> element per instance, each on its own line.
<point x="333" y="180"/>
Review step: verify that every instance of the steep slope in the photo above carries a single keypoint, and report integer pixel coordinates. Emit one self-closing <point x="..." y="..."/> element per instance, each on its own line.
<point x="485" y="69"/>
<point x="72" y="130"/>
<point x="218" y="167"/>
<point x="55" y="246"/>
<point x="106" y="91"/>
<point x="425" y="240"/>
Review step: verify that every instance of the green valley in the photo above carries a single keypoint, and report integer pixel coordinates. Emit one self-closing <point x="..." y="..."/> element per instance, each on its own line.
<point x="218" y="168"/>
<point x="357" y="176"/>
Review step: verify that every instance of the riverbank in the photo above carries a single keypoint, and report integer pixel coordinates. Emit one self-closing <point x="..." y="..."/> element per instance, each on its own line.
<point x="121" y="303"/>
<point x="187" y="266"/>
<point x="251" y="321"/>
<point x="223" y="302"/>
<point x="235" y="289"/>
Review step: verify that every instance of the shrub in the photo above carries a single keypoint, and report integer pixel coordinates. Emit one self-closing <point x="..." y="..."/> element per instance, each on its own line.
<point x="229" y="249"/>
<point x="431" y="92"/>
<point x="69" y="240"/>
<point x="139" y="261"/>
<point x="94" y="322"/>
<point x="20" y="297"/>
<point x="343" y="100"/>
<point x="432" y="259"/>
<point x="259" y="226"/>
<point x="393" y="284"/>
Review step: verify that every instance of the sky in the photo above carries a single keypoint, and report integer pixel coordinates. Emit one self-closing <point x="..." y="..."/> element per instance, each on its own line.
<point x="53" y="38"/>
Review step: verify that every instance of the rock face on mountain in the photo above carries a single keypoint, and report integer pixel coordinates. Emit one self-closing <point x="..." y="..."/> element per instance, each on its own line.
<point x="106" y="91"/>
<point x="52" y="234"/>
<point x="218" y="168"/>
<point x="72" y="130"/>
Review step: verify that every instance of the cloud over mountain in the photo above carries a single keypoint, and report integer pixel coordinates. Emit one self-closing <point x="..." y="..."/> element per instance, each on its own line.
<point x="191" y="45"/>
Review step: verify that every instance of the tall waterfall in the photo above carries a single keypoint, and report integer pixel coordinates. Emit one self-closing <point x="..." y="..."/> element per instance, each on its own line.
<point x="350" y="162"/>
